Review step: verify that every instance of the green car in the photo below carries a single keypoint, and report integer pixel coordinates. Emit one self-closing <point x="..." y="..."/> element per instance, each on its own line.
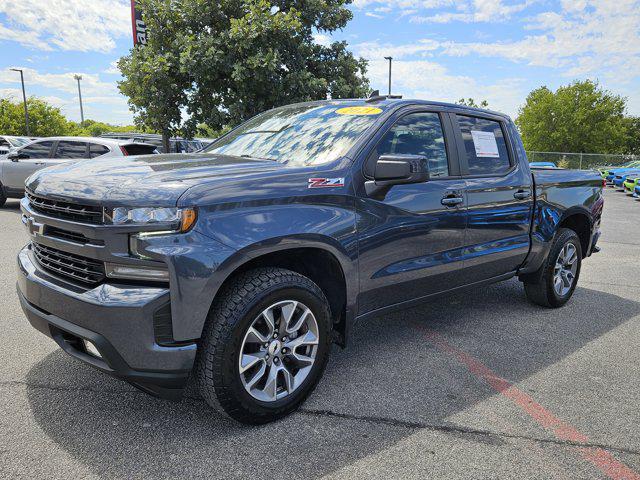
<point x="631" y="183"/>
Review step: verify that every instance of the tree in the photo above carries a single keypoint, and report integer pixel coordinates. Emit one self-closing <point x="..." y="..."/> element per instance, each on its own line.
<point x="91" y="128"/>
<point x="45" y="120"/>
<point x="580" y="117"/>
<point x="632" y="142"/>
<point x="223" y="62"/>
<point x="470" y="102"/>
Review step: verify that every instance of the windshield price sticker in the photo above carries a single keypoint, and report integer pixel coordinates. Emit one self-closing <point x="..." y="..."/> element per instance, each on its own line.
<point x="359" y="111"/>
<point x="485" y="144"/>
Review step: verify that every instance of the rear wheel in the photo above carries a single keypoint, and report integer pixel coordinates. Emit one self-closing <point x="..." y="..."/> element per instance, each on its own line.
<point x="3" y="197"/>
<point x="554" y="284"/>
<point x="265" y="346"/>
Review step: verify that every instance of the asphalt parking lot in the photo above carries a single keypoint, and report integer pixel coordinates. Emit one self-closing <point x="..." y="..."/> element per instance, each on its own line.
<point x="482" y="385"/>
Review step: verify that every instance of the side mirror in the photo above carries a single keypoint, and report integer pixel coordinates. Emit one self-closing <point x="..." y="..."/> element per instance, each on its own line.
<point x="397" y="170"/>
<point x="14" y="156"/>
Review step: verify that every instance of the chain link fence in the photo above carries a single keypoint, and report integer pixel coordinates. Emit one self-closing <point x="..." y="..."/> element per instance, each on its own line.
<point x="581" y="161"/>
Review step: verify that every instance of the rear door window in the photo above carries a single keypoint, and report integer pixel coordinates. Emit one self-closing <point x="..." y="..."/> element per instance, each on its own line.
<point x="38" y="150"/>
<point x="485" y="146"/>
<point x="71" y="150"/>
<point x="96" y="150"/>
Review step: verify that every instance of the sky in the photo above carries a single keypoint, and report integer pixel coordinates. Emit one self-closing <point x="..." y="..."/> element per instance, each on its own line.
<point x="494" y="50"/>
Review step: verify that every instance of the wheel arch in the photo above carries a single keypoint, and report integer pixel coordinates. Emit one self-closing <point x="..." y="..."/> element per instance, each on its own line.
<point x="580" y="222"/>
<point x="325" y="264"/>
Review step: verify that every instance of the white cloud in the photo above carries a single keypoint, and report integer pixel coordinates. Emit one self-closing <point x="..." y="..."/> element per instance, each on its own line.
<point x="592" y="37"/>
<point x="101" y="100"/>
<point x="322" y="39"/>
<point x="374" y="15"/>
<point x="454" y="10"/>
<point x="432" y="81"/>
<point x="113" y="68"/>
<point x="82" y="25"/>
<point x="63" y="82"/>
<point x="478" y="11"/>
<point x="373" y="50"/>
<point x="402" y="4"/>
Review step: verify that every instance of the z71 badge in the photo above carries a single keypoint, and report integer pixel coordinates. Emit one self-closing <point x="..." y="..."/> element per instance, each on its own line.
<point x="326" y="182"/>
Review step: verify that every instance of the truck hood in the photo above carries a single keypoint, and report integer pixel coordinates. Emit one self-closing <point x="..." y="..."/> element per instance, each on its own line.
<point x="148" y="180"/>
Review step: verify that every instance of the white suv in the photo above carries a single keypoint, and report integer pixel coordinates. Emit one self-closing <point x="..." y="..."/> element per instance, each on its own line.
<point x="19" y="164"/>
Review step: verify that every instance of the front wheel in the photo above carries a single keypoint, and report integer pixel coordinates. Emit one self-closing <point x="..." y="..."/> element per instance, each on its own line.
<point x="3" y="197"/>
<point x="265" y="346"/>
<point x="555" y="282"/>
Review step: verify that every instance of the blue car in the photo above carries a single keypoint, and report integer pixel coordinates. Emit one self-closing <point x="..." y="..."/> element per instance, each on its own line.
<point x="627" y="168"/>
<point x="542" y="165"/>
<point x="636" y="192"/>
<point x="619" y="178"/>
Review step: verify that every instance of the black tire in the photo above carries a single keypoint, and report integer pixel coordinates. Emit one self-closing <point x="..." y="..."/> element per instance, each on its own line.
<point x="539" y="288"/>
<point x="3" y="197"/>
<point x="217" y="374"/>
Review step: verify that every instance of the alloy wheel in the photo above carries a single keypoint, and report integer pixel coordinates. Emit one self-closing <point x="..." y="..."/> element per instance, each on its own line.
<point x="278" y="351"/>
<point x="564" y="273"/>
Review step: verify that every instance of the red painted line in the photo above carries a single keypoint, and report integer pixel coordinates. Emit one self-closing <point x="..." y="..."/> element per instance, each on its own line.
<point x="601" y="459"/>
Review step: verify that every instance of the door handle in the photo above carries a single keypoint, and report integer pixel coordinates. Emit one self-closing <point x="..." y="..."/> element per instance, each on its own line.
<point x="451" y="201"/>
<point x="522" y="194"/>
<point x="39" y="163"/>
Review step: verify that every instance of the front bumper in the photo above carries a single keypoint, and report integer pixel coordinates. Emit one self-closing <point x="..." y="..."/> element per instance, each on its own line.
<point x="118" y="319"/>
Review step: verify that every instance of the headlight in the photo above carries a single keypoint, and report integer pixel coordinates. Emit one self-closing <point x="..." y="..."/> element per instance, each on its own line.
<point x="182" y="218"/>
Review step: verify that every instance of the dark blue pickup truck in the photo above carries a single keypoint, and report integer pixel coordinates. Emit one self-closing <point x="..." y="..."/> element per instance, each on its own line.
<point x="241" y="265"/>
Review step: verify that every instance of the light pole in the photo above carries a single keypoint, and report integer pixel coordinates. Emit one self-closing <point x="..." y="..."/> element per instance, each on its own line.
<point x="24" y="100"/>
<point x="389" y="58"/>
<point x="78" y="78"/>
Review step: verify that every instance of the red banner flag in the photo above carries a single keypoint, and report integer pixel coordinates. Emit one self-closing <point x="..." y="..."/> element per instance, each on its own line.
<point x="139" y="27"/>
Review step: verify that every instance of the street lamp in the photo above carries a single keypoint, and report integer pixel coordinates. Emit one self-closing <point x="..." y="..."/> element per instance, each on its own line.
<point x="24" y="100"/>
<point x="389" y="58"/>
<point x="78" y="78"/>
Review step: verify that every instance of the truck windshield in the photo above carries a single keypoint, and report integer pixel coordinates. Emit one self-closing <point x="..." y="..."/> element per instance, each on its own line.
<point x="299" y="134"/>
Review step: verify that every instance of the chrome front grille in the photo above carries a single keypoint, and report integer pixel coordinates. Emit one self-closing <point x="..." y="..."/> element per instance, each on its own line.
<point x="66" y="210"/>
<point x="74" y="267"/>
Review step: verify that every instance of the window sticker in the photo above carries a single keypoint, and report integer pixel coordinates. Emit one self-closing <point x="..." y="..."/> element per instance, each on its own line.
<point x="485" y="143"/>
<point x="359" y="111"/>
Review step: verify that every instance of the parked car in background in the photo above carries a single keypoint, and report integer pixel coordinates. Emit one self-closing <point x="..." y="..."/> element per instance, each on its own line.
<point x="205" y="141"/>
<point x="46" y="152"/>
<point x="631" y="182"/>
<point x="542" y="165"/>
<point x="609" y="174"/>
<point x="176" y="144"/>
<point x="241" y="265"/>
<point x="620" y="178"/>
<point x="9" y="143"/>
<point x="636" y="191"/>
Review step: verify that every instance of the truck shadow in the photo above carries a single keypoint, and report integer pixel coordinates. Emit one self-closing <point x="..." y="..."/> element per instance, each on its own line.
<point x="390" y="371"/>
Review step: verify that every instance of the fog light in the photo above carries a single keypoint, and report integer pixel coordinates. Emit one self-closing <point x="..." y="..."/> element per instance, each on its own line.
<point x="129" y="272"/>
<point x="91" y="349"/>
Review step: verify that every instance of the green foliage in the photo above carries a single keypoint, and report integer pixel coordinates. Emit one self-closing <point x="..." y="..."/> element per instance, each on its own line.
<point x="470" y="102"/>
<point x="223" y="62"/>
<point x="46" y="120"/>
<point x="580" y="117"/>
<point x="91" y="128"/>
<point x="563" y="162"/>
<point x="632" y="141"/>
